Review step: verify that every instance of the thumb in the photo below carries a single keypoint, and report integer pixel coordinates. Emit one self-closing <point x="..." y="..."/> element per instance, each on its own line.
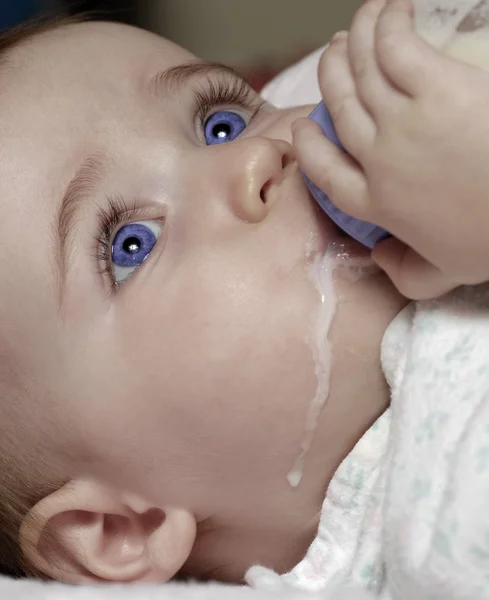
<point x="413" y="276"/>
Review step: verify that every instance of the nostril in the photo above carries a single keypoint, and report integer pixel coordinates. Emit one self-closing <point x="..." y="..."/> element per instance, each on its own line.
<point x="264" y="191"/>
<point x="286" y="160"/>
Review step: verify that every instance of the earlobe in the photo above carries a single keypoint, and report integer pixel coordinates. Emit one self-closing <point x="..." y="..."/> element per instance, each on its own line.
<point x="86" y="532"/>
<point x="171" y="543"/>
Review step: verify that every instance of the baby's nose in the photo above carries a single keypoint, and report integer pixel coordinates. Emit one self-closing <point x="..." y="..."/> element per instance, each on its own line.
<point x="262" y="164"/>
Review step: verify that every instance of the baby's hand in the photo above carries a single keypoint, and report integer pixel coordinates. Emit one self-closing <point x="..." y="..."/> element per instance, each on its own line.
<point x="416" y="126"/>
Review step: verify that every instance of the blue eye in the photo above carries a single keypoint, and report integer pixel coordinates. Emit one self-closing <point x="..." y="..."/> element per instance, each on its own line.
<point x="132" y="245"/>
<point x="223" y="126"/>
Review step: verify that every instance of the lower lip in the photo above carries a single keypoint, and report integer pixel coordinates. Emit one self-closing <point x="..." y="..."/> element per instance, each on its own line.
<point x="345" y="248"/>
<point x="350" y="260"/>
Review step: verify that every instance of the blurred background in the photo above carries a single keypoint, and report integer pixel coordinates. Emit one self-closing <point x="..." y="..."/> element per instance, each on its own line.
<point x="259" y="37"/>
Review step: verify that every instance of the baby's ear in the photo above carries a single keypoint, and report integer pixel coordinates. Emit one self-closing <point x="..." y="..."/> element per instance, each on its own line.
<point x="86" y="533"/>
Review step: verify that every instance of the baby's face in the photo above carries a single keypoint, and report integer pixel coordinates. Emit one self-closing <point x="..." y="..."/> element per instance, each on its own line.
<point x="168" y="316"/>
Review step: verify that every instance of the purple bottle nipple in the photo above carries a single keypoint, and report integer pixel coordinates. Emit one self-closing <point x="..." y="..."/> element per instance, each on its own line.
<point x="366" y="233"/>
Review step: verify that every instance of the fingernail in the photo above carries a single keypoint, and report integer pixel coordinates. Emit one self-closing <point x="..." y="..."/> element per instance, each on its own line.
<point x="339" y="36"/>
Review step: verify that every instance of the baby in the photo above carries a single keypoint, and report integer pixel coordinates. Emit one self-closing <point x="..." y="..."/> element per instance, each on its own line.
<point x="161" y="391"/>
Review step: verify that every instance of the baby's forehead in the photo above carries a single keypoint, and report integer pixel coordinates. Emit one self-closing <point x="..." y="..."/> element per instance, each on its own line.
<point x="69" y="79"/>
<point x="73" y="50"/>
<point x="67" y="83"/>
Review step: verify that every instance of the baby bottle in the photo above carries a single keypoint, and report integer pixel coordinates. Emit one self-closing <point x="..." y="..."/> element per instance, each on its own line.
<point x="460" y="28"/>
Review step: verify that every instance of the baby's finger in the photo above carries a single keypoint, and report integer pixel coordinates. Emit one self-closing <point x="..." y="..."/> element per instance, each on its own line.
<point x="402" y="55"/>
<point x="329" y="168"/>
<point x="413" y="276"/>
<point x="353" y="124"/>
<point x="374" y="91"/>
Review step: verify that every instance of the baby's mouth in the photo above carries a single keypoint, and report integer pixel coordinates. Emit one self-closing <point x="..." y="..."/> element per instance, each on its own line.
<point x="327" y="237"/>
<point x="350" y="259"/>
<point x="340" y="243"/>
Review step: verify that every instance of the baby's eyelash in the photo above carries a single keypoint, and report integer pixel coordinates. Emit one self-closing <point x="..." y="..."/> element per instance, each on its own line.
<point x="223" y="91"/>
<point x="110" y="219"/>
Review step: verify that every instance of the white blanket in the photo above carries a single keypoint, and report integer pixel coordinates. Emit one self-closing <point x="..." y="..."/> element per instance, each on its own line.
<point x="30" y="590"/>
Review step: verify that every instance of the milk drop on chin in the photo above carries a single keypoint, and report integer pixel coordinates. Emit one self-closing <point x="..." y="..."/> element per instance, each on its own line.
<point x="321" y="274"/>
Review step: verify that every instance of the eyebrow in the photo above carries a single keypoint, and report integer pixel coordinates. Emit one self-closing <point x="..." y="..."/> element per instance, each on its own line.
<point x="87" y="178"/>
<point x="82" y="186"/>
